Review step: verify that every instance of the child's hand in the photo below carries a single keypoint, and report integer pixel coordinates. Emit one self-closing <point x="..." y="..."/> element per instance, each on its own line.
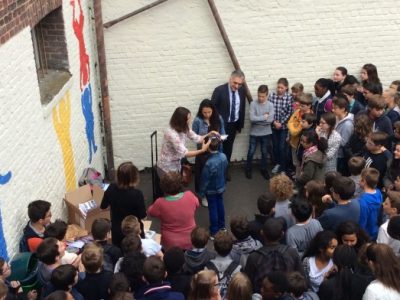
<point x="327" y="198"/>
<point x="32" y="295"/>
<point x="266" y="115"/>
<point x="205" y="145"/>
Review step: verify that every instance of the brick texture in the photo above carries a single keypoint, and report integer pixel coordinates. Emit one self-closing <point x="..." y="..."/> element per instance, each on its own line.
<point x="174" y="55"/>
<point x="15" y="15"/>
<point x="30" y="147"/>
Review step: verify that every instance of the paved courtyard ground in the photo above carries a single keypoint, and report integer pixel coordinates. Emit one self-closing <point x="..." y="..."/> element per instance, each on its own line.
<point x="240" y="196"/>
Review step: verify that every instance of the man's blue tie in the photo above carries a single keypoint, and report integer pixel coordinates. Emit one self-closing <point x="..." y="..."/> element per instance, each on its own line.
<point x="233" y="108"/>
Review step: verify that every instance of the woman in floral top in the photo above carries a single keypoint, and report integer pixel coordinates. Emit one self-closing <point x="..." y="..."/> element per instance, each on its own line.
<point x="174" y="142"/>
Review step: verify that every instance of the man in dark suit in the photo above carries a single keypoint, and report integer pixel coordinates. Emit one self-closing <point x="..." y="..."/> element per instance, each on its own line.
<point x="229" y="99"/>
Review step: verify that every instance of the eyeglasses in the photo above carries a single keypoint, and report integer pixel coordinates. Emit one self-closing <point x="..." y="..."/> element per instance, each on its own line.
<point x="237" y="83"/>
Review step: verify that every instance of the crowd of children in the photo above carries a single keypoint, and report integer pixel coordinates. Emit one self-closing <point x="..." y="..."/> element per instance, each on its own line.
<point x="328" y="227"/>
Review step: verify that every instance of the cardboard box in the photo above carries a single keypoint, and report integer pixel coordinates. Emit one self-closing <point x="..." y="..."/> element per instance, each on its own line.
<point x="82" y="195"/>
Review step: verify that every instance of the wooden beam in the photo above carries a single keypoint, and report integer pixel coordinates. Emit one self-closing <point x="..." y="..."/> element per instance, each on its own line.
<point x="228" y="44"/>
<point x="138" y="11"/>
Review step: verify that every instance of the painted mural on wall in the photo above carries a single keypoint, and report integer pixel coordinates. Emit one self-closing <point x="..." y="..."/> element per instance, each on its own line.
<point x="62" y="124"/>
<point x="86" y="90"/>
<point x="4" y="179"/>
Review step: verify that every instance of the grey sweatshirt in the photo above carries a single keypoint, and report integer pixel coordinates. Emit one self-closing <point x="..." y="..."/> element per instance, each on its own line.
<point x="259" y="124"/>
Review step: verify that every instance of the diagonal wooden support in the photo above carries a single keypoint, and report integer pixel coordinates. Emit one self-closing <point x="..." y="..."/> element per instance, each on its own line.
<point x="228" y="44"/>
<point x="138" y="11"/>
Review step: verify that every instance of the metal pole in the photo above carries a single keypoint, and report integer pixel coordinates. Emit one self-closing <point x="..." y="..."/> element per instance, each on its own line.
<point x="228" y="44"/>
<point x="138" y="11"/>
<point x="110" y="170"/>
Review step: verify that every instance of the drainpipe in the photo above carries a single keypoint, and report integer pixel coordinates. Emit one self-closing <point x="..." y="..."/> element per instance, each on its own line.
<point x="105" y="98"/>
<point x="228" y="44"/>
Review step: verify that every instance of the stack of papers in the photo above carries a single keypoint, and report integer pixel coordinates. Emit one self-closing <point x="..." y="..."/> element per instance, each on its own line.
<point x="87" y="207"/>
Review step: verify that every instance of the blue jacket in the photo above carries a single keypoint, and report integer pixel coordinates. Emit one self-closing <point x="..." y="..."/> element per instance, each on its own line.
<point x="370" y="210"/>
<point x="213" y="175"/>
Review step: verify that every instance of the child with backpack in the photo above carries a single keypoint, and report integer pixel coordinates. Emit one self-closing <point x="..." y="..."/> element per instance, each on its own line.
<point x="223" y="264"/>
<point x="273" y="256"/>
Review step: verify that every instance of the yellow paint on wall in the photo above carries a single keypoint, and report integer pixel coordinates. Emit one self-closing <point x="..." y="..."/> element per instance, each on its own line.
<point x="62" y="125"/>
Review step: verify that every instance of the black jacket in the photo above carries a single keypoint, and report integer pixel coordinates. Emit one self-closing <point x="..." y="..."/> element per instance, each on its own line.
<point x="221" y="100"/>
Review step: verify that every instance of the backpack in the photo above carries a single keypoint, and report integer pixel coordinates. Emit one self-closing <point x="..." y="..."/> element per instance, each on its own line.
<point x="223" y="281"/>
<point x="272" y="261"/>
<point x="91" y="176"/>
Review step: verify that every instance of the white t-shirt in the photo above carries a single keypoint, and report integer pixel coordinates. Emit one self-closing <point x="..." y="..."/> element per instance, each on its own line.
<point x="150" y="247"/>
<point x="377" y="291"/>
<point x="384" y="238"/>
<point x="316" y="275"/>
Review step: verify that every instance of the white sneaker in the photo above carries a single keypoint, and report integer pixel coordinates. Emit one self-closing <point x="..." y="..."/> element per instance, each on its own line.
<point x="275" y="169"/>
<point x="204" y="202"/>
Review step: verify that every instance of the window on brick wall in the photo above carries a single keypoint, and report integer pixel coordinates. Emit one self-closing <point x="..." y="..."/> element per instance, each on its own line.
<point x="51" y="56"/>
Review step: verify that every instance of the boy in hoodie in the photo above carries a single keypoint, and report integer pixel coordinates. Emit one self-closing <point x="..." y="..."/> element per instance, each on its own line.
<point x="39" y="217"/>
<point x="370" y="202"/>
<point x="244" y="243"/>
<point x="154" y="274"/>
<point x="345" y="127"/>
<point x="197" y="258"/>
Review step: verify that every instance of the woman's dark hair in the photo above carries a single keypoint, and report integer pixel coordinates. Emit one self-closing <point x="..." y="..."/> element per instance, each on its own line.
<point x="330" y="119"/>
<point x="179" y="119"/>
<point x="127" y="175"/>
<point x="386" y="266"/>
<point x="350" y="79"/>
<point x="350" y="227"/>
<point x="362" y="125"/>
<point x="312" y="137"/>
<point x="63" y="277"/>
<point x="316" y="190"/>
<point x="372" y="73"/>
<point x="327" y="84"/>
<point x="283" y="81"/>
<point x="215" y="122"/>
<point x="342" y="70"/>
<point x="319" y="243"/>
<point x="345" y="259"/>
<point x="119" y="283"/>
<point x="132" y="268"/>
<point x="329" y="178"/>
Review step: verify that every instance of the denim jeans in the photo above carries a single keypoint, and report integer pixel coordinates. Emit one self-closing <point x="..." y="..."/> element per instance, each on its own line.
<point x="280" y="147"/>
<point x="264" y="145"/>
<point x="216" y="212"/>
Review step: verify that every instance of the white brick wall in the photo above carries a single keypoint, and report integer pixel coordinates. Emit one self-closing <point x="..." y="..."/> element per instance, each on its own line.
<point x="173" y="55"/>
<point x="30" y="148"/>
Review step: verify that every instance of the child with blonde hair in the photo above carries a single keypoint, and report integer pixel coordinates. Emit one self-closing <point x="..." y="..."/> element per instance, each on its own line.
<point x="131" y="225"/>
<point x="282" y="187"/>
